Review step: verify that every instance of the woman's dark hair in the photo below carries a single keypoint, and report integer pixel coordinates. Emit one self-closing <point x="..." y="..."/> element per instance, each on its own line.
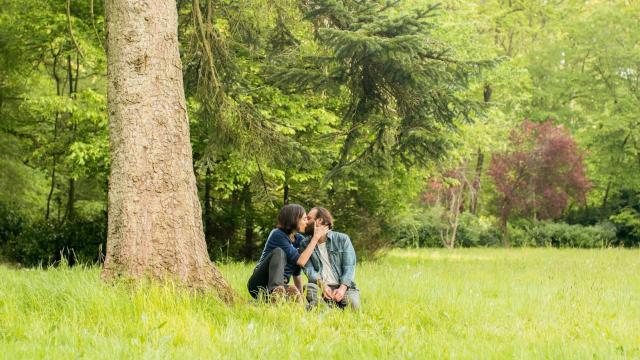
<point x="289" y="216"/>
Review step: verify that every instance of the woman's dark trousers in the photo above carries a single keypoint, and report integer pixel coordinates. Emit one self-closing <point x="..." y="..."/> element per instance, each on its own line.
<point x="269" y="274"/>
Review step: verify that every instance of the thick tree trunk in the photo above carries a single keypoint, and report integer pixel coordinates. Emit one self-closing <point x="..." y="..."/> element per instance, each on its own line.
<point x="155" y="225"/>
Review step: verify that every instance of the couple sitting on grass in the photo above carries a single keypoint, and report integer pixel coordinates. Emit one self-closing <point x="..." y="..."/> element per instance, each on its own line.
<point x="326" y="256"/>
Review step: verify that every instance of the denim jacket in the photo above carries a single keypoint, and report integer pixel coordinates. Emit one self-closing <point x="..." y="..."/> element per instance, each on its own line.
<point x="341" y="255"/>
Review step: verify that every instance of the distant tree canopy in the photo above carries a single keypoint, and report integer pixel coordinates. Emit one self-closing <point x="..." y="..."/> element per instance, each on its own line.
<point x="352" y="105"/>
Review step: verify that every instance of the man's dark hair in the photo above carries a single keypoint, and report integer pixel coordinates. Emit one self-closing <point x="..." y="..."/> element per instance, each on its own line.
<point x="325" y="215"/>
<point x="289" y="216"/>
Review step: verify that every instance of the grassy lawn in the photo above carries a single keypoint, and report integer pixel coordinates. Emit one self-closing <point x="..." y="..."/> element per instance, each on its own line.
<point x="470" y="303"/>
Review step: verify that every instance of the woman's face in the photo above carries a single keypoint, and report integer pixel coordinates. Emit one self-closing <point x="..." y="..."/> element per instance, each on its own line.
<point x="302" y="223"/>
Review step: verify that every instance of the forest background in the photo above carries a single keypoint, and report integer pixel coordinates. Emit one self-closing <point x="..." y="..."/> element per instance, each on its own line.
<point x="460" y="124"/>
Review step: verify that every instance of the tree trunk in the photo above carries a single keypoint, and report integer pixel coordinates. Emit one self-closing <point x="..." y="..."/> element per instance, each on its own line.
<point x="249" y="245"/>
<point x="504" y="226"/>
<point x="53" y="184"/>
<point x="73" y="88"/>
<point x="457" y="200"/>
<point x="455" y="196"/>
<point x="57" y="80"/>
<point x="208" y="212"/>
<point x="486" y="93"/>
<point x="605" y="198"/>
<point x="71" y="198"/>
<point x="155" y="224"/>
<point x="475" y="185"/>
<point x="285" y="196"/>
<point x="618" y="162"/>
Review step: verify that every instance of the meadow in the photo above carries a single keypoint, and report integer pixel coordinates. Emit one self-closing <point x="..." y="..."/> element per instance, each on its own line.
<point x="416" y="304"/>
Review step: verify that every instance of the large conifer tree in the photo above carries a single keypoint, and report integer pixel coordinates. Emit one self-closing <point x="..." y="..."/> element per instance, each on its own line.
<point x="403" y="85"/>
<point x="155" y="223"/>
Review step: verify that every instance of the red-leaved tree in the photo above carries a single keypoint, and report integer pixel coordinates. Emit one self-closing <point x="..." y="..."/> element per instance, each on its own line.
<point x="540" y="172"/>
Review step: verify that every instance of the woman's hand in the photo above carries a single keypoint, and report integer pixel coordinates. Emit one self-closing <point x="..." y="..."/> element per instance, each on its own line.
<point x="320" y="231"/>
<point x="327" y="293"/>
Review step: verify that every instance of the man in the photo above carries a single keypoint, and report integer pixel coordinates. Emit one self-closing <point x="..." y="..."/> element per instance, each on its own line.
<point x="331" y="267"/>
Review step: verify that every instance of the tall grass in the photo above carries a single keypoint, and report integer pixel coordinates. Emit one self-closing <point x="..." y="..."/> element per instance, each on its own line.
<point x="469" y="303"/>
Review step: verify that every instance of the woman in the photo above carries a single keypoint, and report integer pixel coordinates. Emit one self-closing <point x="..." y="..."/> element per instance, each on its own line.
<point x="280" y="258"/>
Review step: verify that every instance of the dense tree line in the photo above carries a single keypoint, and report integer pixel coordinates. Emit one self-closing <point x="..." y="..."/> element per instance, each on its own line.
<point x="395" y="115"/>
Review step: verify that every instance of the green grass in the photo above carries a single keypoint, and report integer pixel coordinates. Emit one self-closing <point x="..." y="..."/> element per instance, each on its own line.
<point x="488" y="303"/>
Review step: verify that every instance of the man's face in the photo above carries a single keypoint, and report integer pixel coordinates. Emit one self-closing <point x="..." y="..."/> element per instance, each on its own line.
<point x="310" y="222"/>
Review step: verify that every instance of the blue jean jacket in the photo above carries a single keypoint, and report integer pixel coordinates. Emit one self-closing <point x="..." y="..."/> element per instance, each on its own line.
<point x="341" y="255"/>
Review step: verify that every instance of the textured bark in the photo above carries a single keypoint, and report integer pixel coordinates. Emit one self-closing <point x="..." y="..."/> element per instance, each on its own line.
<point x="155" y="225"/>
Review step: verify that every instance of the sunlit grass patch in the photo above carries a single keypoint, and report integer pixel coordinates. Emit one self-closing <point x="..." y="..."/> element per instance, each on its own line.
<point x="468" y="303"/>
<point x="437" y="254"/>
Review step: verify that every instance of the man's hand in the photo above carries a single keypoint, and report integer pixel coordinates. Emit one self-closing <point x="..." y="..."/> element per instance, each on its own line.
<point x="338" y="294"/>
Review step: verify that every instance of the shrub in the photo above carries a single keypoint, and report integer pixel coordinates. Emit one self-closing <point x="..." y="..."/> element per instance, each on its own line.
<point x="420" y="230"/>
<point x="627" y="223"/>
<point x="424" y="229"/>
<point x="45" y="242"/>
<point x="11" y="223"/>
<point x="550" y="234"/>
<point x="476" y="231"/>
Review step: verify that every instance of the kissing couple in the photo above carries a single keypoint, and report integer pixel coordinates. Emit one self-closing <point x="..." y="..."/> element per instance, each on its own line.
<point x="306" y="242"/>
